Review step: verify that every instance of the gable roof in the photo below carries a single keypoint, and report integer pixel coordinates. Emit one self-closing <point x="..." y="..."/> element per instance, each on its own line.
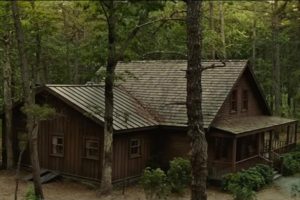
<point x="155" y="93"/>
<point x="161" y="86"/>
<point x="89" y="100"/>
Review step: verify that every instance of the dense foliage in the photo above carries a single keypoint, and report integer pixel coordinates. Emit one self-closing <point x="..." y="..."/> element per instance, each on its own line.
<point x="291" y="163"/>
<point x="179" y="174"/>
<point x="155" y="184"/>
<point x="243" y="184"/>
<point x="66" y="41"/>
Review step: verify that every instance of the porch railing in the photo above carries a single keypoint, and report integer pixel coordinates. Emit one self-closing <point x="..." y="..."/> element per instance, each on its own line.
<point x="278" y="146"/>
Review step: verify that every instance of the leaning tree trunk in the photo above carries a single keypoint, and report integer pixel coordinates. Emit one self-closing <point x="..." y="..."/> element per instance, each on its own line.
<point x="7" y="80"/>
<point x="29" y="101"/>
<point x="106" y="184"/>
<point x="194" y="99"/>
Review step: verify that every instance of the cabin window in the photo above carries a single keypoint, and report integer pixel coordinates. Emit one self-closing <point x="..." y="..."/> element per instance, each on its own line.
<point x="92" y="149"/>
<point x="245" y="100"/>
<point x="233" y="101"/>
<point x="57" y="145"/>
<point x="135" y="148"/>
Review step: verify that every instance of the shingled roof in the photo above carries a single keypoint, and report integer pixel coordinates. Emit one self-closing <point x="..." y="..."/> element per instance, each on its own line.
<point x="161" y="87"/>
<point x="154" y="93"/>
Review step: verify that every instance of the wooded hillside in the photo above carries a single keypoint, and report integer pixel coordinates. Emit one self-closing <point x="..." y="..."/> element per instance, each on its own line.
<point x="66" y="42"/>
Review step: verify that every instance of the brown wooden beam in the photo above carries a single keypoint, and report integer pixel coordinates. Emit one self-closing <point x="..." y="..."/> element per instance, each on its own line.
<point x="296" y="126"/>
<point x="270" y="141"/>
<point x="234" y="154"/>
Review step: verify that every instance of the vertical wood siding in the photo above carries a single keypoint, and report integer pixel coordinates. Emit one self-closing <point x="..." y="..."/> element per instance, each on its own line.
<point x="254" y="102"/>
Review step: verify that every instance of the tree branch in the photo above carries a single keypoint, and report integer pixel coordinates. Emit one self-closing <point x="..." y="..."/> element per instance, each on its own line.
<point x="135" y="30"/>
<point x="164" y="52"/>
<point x="222" y="64"/>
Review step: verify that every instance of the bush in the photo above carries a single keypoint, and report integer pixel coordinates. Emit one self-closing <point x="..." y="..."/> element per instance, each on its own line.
<point x="266" y="171"/>
<point x="30" y="195"/>
<point x="155" y="183"/>
<point x="179" y="174"/>
<point x="291" y="163"/>
<point x="242" y="193"/>
<point x="253" y="178"/>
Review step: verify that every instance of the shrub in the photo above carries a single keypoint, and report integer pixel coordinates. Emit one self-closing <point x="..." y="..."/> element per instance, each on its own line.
<point x="266" y="171"/>
<point x="291" y="163"/>
<point x="179" y="174"/>
<point x="155" y="183"/>
<point x="253" y="178"/>
<point x="242" y="193"/>
<point x="30" y="195"/>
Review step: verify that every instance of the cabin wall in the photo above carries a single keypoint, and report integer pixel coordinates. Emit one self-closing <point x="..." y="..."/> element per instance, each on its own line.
<point x="255" y="104"/>
<point x="126" y="166"/>
<point x="75" y="128"/>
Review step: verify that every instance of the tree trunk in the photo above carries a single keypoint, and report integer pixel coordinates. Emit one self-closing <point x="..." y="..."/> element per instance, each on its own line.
<point x="212" y="27"/>
<point x="254" y="38"/>
<point x="106" y="184"/>
<point x="7" y="80"/>
<point x="275" y="59"/>
<point x="222" y="29"/>
<point x="194" y="99"/>
<point x="28" y="92"/>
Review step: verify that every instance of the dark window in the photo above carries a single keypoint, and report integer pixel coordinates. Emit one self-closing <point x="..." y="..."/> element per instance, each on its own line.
<point x="92" y="149"/>
<point x="245" y="100"/>
<point x="234" y="101"/>
<point x="135" y="148"/>
<point x="57" y="145"/>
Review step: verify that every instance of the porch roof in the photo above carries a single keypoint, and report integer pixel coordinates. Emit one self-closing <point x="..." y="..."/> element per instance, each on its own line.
<point x="248" y="124"/>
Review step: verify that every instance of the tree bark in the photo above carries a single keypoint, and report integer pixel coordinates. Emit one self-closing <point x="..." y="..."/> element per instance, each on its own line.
<point x="194" y="101"/>
<point x="7" y="80"/>
<point x="29" y="100"/>
<point x="254" y="38"/>
<point x="222" y="29"/>
<point x="275" y="59"/>
<point x="212" y="27"/>
<point x="106" y="184"/>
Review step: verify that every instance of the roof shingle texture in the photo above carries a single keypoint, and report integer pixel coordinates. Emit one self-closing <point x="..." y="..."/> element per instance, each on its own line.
<point x="247" y="124"/>
<point x="161" y="87"/>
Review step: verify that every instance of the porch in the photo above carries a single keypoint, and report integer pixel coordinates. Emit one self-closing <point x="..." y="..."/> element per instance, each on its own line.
<point x="233" y="148"/>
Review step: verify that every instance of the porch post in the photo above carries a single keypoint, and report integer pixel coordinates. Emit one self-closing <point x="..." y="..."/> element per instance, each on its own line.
<point x="259" y="146"/>
<point x="234" y="153"/>
<point x="288" y="135"/>
<point x="296" y="126"/>
<point x="270" y="141"/>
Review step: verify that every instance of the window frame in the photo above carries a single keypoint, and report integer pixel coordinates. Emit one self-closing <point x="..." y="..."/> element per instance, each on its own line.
<point x="55" y="145"/>
<point x="137" y="147"/>
<point x="234" y="101"/>
<point x="245" y="100"/>
<point x="86" y="148"/>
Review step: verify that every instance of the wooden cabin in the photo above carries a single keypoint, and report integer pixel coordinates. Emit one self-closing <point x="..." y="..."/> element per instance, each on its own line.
<point x="150" y="122"/>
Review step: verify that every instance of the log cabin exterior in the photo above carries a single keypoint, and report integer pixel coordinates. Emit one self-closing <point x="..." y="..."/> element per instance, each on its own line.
<point x="150" y="122"/>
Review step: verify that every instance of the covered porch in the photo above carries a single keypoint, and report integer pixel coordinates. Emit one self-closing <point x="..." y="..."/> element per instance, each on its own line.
<point x="241" y="143"/>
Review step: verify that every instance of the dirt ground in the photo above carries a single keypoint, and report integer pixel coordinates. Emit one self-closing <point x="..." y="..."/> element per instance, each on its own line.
<point x="70" y="190"/>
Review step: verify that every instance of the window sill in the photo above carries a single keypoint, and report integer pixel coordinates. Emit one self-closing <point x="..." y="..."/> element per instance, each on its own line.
<point x="57" y="155"/>
<point x="233" y="112"/>
<point x="135" y="156"/>
<point x="90" y="158"/>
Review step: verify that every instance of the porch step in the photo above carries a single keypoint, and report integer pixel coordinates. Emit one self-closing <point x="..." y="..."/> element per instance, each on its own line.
<point x="46" y="176"/>
<point x="276" y="175"/>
